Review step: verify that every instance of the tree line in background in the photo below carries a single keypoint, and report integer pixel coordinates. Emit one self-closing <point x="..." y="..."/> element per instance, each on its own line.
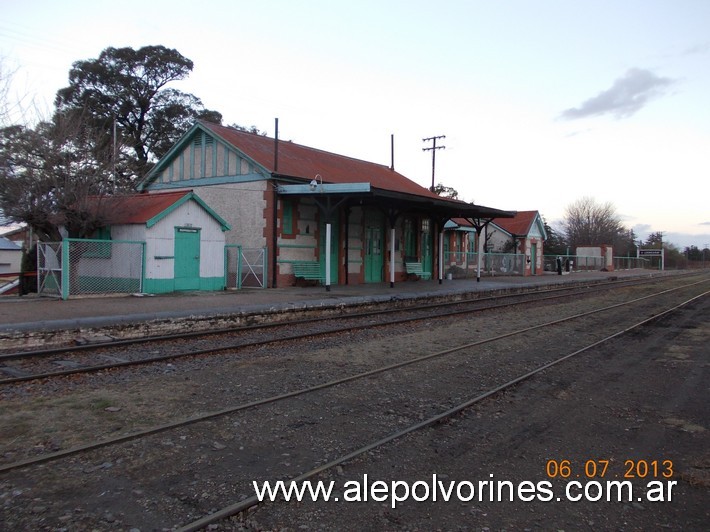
<point x="588" y="223"/>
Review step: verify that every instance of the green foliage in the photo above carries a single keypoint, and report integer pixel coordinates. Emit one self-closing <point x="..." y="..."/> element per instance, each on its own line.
<point x="445" y="192"/>
<point x="112" y="122"/>
<point x="47" y="174"/>
<point x="555" y="243"/>
<point x="129" y="87"/>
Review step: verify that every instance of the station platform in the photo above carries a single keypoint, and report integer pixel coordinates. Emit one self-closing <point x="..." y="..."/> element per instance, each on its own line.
<point x="33" y="314"/>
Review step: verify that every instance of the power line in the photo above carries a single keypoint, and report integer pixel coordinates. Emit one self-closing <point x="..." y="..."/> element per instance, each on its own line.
<point x="433" y="149"/>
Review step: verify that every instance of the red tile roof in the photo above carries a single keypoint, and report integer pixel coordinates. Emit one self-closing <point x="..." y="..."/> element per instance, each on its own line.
<point x="521" y="224"/>
<point x="296" y="160"/>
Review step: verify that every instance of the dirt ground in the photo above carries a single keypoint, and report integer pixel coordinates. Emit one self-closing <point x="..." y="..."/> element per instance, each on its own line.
<point x="642" y="399"/>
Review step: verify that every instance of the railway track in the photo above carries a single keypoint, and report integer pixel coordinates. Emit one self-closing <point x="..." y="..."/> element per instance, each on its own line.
<point x="461" y="362"/>
<point x="85" y="359"/>
<point x="250" y="502"/>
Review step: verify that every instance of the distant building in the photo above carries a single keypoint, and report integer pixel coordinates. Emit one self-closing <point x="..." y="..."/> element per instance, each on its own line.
<point x="10" y="256"/>
<point x="522" y="234"/>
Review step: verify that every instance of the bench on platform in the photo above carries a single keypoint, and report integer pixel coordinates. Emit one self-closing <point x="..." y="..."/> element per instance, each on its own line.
<point x="309" y="271"/>
<point x="415" y="268"/>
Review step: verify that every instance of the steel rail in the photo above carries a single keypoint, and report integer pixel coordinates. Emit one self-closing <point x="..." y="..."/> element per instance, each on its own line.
<point x="300" y="336"/>
<point x="585" y="288"/>
<point x="249" y="502"/>
<point x="302" y="391"/>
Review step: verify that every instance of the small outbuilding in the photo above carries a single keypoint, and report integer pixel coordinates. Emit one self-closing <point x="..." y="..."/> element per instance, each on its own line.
<point x="524" y="234"/>
<point x="10" y="256"/>
<point x="181" y="237"/>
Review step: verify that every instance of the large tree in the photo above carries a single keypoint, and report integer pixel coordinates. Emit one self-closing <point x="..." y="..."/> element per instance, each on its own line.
<point x="125" y="90"/>
<point x="48" y="173"/>
<point x="588" y="223"/>
<point x="555" y="243"/>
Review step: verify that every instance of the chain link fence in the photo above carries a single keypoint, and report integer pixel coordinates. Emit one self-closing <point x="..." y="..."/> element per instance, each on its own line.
<point x="75" y="267"/>
<point x="576" y="263"/>
<point x="465" y="265"/>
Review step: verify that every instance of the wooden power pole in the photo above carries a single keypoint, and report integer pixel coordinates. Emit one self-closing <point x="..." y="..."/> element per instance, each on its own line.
<point x="433" y="149"/>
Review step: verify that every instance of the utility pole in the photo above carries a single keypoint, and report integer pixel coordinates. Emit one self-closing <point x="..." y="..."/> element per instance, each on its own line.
<point x="433" y="149"/>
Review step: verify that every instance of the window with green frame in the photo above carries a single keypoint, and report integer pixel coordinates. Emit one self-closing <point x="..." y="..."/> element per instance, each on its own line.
<point x="287" y="218"/>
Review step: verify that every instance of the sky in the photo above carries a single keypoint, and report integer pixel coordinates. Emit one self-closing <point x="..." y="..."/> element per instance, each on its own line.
<point x="541" y="102"/>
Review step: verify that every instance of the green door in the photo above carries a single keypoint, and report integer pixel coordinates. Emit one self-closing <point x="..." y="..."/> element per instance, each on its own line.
<point x="187" y="258"/>
<point x="374" y="258"/>
<point x="533" y="259"/>
<point x="426" y="246"/>
<point x="333" y="251"/>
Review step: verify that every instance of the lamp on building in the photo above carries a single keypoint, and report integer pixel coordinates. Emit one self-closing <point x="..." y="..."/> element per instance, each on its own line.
<point x="314" y="183"/>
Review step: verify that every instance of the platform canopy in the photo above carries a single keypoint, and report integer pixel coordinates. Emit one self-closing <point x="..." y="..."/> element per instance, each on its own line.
<point x="389" y="200"/>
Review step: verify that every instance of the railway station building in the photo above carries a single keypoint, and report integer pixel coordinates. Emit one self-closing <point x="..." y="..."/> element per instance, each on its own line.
<point x="315" y="215"/>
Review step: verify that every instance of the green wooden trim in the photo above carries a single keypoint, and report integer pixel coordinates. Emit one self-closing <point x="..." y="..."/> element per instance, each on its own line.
<point x="203" y="156"/>
<point x="187" y="197"/>
<point x="287" y="218"/>
<point x="297" y="246"/>
<point x="192" y="163"/>
<point x="181" y="145"/>
<point x="205" y="181"/>
<point x="102" y="241"/>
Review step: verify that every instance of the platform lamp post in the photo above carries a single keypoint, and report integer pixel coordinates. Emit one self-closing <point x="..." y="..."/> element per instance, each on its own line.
<point x="313" y="185"/>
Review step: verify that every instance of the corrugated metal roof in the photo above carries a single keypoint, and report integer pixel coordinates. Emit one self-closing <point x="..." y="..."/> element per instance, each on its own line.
<point x="521" y="224"/>
<point x="8" y="245"/>
<point x="296" y="160"/>
<point x="136" y="208"/>
<point x="146" y="208"/>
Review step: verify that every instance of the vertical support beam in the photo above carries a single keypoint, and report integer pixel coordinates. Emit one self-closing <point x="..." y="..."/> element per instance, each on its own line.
<point x="478" y="255"/>
<point x="347" y="243"/>
<point x="392" y="248"/>
<point x="327" y="256"/>
<point x="441" y="254"/>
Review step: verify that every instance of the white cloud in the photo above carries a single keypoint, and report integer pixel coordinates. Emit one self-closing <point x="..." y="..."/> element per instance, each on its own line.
<point x="628" y="95"/>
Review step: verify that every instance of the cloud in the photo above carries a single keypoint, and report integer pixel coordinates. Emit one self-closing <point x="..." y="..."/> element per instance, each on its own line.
<point x="628" y="95"/>
<point x="698" y="49"/>
<point x="704" y="223"/>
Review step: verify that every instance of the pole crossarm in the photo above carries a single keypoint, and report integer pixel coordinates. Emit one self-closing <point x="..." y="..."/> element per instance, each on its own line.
<point x="433" y="149"/>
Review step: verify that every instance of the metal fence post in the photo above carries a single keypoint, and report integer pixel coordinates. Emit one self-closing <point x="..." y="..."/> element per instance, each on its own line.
<point x="239" y="267"/>
<point x="65" y="269"/>
<point x="266" y="267"/>
<point x="143" y="266"/>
